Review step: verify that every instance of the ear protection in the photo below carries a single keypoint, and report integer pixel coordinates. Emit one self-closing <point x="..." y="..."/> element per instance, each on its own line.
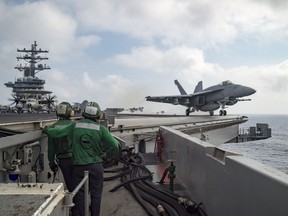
<point x="101" y="115"/>
<point x="64" y="109"/>
<point x="71" y="113"/>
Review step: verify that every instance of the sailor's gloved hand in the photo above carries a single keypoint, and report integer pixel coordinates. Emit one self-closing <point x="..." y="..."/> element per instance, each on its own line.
<point x="54" y="167"/>
<point x="104" y="156"/>
<point x="44" y="129"/>
<point x="106" y="159"/>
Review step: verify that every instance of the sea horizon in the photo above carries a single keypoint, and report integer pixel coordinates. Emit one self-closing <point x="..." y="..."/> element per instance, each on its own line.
<point x="272" y="151"/>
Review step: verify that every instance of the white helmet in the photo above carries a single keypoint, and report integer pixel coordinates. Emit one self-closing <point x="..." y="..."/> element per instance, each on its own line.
<point x="92" y="110"/>
<point x="64" y="109"/>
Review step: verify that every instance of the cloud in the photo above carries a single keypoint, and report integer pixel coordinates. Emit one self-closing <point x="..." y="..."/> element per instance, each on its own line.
<point x="45" y="22"/>
<point x="118" y="91"/>
<point x="185" y="62"/>
<point x="57" y="76"/>
<point x="88" y="82"/>
<point x="175" y="22"/>
<point x="156" y="43"/>
<point x="197" y="23"/>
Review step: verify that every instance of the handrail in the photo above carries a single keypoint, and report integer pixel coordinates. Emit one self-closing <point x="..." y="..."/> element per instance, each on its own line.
<point x="68" y="200"/>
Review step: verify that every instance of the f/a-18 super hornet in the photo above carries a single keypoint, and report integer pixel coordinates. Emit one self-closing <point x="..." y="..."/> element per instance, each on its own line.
<point x="208" y="100"/>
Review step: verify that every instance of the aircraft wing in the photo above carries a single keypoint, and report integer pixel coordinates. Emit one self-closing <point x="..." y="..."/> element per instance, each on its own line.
<point x="179" y="99"/>
<point x="206" y="92"/>
<point x="172" y="99"/>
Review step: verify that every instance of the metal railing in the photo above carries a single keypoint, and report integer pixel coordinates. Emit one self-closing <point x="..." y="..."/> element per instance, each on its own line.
<point x="68" y="200"/>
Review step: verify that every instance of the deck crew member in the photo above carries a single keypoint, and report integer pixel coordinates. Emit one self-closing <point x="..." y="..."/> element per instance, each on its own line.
<point x="90" y="141"/>
<point x="60" y="149"/>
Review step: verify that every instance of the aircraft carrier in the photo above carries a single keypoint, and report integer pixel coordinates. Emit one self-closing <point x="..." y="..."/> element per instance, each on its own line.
<point x="170" y="165"/>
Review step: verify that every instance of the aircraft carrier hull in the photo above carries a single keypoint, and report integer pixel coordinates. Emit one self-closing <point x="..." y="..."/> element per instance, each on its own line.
<point x="226" y="183"/>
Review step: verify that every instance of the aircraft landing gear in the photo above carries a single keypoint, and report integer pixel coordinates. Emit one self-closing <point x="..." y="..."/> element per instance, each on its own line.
<point x="187" y="112"/>
<point x="211" y="113"/>
<point x="222" y="112"/>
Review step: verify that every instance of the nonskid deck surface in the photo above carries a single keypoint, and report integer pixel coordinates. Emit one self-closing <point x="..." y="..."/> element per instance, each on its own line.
<point x="19" y="199"/>
<point x="17" y="204"/>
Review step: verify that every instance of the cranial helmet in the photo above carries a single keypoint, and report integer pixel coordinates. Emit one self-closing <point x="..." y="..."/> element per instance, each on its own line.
<point x="64" y="109"/>
<point x="92" y="110"/>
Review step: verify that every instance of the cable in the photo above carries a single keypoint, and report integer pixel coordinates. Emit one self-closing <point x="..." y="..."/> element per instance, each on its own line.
<point x="137" y="179"/>
<point x="117" y="176"/>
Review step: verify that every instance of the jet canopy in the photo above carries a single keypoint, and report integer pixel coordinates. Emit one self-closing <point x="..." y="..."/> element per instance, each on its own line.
<point x="225" y="83"/>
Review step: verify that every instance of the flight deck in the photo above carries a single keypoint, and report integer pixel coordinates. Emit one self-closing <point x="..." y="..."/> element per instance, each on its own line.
<point x="215" y="181"/>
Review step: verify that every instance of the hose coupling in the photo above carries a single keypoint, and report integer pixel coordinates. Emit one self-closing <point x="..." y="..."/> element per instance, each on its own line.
<point x="160" y="209"/>
<point x="190" y="206"/>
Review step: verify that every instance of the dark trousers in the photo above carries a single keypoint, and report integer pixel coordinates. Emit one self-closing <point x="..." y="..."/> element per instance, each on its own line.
<point x="95" y="188"/>
<point x="66" y="166"/>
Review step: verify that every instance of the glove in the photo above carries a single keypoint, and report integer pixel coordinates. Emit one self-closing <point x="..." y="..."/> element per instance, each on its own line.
<point x="54" y="167"/>
<point x="104" y="156"/>
<point x="44" y="130"/>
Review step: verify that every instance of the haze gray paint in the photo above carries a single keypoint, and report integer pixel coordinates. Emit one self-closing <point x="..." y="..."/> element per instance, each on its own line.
<point x="227" y="184"/>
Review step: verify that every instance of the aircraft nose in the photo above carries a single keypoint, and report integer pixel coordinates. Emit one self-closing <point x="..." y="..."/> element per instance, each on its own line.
<point x="250" y="91"/>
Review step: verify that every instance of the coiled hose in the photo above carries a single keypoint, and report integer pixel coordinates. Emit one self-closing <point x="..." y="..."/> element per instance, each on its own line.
<point x="136" y="178"/>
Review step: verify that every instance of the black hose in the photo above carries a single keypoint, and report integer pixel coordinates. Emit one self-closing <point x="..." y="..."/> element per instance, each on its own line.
<point x="133" y="190"/>
<point x="149" y="190"/>
<point x="198" y="210"/>
<point x="160" y="196"/>
<point x="129" y="181"/>
<point x="116" y="170"/>
<point x="164" y="191"/>
<point x="117" y="176"/>
<point x="201" y="212"/>
<point x="169" y="210"/>
<point x="154" y="201"/>
<point x="148" y="198"/>
<point x="136" y="178"/>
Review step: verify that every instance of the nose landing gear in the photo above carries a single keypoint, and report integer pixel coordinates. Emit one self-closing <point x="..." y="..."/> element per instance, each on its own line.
<point x="222" y="112"/>
<point x="187" y="112"/>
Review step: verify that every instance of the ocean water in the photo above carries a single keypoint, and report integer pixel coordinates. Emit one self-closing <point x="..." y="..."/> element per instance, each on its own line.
<point x="272" y="151"/>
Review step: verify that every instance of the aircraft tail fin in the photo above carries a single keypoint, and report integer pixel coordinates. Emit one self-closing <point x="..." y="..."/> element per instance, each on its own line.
<point x="199" y="87"/>
<point x="182" y="91"/>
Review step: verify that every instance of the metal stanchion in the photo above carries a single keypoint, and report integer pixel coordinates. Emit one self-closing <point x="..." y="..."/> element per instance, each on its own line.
<point x="68" y="200"/>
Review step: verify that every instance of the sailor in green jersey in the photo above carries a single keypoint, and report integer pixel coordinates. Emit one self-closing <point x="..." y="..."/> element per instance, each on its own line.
<point x="90" y="140"/>
<point x="60" y="149"/>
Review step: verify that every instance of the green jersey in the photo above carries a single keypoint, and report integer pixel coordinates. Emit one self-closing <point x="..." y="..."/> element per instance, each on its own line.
<point x="90" y="141"/>
<point x="61" y="147"/>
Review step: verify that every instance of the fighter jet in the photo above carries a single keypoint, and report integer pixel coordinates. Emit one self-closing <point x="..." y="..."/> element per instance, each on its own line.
<point x="208" y="100"/>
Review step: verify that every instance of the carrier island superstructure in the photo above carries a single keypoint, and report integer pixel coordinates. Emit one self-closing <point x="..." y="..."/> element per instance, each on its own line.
<point x="28" y="91"/>
<point x="203" y="176"/>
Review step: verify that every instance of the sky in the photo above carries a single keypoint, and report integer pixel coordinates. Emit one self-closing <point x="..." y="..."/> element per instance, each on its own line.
<point x="118" y="52"/>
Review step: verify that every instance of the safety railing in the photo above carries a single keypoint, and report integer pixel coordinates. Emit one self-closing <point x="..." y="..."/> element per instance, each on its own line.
<point x="68" y="200"/>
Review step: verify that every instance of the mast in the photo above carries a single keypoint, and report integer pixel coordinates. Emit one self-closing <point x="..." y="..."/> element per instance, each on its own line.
<point x="32" y="57"/>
